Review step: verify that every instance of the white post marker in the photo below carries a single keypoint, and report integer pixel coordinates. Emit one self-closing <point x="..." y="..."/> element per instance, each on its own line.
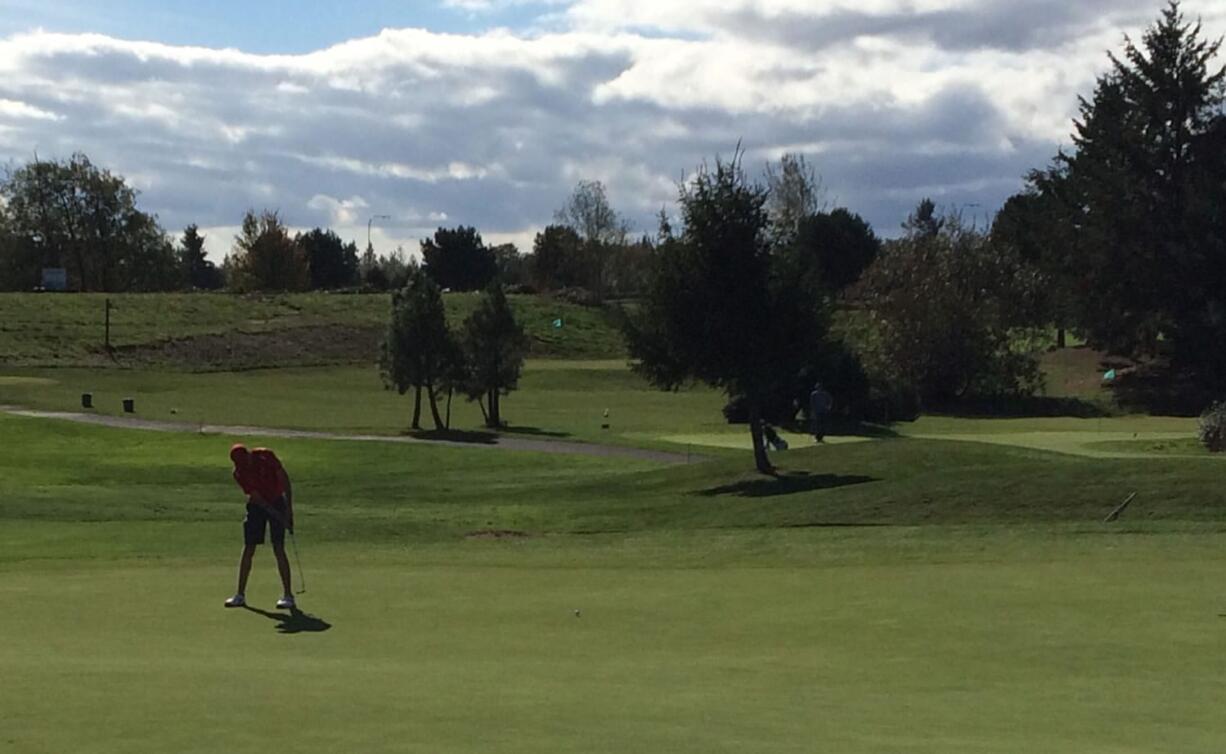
<point x="1115" y="514"/>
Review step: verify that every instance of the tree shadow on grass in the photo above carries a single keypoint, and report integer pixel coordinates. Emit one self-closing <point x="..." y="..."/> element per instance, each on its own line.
<point x="861" y="429"/>
<point x="785" y="484"/>
<point x="533" y="431"/>
<point x="1022" y="407"/>
<point x="471" y="437"/>
<point x="293" y="622"/>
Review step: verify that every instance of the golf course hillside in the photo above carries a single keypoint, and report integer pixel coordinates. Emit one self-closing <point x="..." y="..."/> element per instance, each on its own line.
<point x="221" y="331"/>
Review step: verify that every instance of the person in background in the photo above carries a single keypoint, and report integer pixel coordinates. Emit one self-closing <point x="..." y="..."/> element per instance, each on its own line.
<point x="820" y="404"/>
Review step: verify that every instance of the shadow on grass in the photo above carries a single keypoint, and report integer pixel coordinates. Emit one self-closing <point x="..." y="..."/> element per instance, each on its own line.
<point x="787" y="483"/>
<point x="863" y="429"/>
<point x="471" y="437"/>
<point x="1025" y="407"/>
<point x="533" y="432"/>
<point x="293" y="622"/>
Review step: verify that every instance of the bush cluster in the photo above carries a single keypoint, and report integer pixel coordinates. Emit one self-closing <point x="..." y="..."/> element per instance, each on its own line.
<point x="1212" y="430"/>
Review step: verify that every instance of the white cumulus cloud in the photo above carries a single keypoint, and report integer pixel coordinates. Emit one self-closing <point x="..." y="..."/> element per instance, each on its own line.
<point x="892" y="100"/>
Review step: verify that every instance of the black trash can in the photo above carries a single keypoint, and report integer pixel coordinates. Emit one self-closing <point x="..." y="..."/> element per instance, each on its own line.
<point x="129" y="405"/>
<point x="87" y="400"/>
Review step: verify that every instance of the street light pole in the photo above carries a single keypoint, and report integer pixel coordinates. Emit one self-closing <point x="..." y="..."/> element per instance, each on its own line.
<point x="368" y="223"/>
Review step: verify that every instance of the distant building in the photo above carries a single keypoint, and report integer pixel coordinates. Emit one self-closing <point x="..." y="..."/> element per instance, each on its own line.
<point x="55" y="279"/>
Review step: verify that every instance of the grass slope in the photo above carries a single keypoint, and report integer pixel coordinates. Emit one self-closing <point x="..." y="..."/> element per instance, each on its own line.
<point x="219" y="330"/>
<point x="368" y="492"/>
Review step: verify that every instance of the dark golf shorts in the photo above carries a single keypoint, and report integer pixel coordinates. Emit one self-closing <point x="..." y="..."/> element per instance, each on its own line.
<point x="258" y="518"/>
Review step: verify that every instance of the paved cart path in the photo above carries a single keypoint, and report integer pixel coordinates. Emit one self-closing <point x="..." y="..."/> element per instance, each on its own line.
<point x="493" y="441"/>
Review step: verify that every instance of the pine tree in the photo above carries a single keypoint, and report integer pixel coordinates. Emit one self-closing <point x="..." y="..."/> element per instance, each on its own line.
<point x="494" y="348"/>
<point x="418" y="350"/>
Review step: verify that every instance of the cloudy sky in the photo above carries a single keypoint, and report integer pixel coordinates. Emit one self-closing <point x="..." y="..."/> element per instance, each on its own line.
<point x="488" y="112"/>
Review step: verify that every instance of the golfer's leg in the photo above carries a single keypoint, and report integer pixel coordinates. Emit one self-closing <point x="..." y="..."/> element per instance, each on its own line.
<point x="244" y="567"/>
<point x="278" y="549"/>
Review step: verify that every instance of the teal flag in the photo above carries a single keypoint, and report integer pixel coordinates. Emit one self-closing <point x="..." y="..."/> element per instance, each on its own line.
<point x="557" y="323"/>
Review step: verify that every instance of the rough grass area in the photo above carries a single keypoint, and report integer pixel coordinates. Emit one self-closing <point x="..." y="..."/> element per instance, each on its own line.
<point x="228" y="331"/>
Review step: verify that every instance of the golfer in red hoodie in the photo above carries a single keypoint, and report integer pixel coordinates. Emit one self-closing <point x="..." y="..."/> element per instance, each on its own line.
<point x="270" y="505"/>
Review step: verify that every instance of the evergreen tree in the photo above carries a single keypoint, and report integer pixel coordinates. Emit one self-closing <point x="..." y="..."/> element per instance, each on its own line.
<point x="198" y="270"/>
<point x="458" y="259"/>
<point x="333" y="263"/>
<point x="418" y="350"/>
<point x="722" y="309"/>
<point x="494" y="350"/>
<point x="558" y="258"/>
<point x="1141" y="197"/>
<point x="833" y="249"/>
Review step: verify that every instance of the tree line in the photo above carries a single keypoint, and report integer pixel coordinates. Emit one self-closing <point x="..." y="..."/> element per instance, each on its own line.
<point x="75" y="215"/>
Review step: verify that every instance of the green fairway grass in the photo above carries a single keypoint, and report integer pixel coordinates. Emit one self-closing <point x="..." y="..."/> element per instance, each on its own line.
<point x="910" y="595"/>
<point x="1096" y="651"/>
<point x="561" y="399"/>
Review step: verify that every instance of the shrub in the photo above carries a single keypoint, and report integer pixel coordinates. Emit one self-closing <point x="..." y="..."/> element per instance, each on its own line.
<point x="1213" y="427"/>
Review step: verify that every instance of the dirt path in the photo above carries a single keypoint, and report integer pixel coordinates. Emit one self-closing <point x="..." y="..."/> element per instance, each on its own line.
<point x="494" y="441"/>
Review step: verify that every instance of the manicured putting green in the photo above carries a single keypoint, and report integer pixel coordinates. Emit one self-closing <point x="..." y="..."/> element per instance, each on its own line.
<point x="1095" y="651"/>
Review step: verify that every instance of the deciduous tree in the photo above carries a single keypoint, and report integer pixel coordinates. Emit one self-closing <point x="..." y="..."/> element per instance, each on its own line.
<point x="75" y="215"/>
<point x="265" y="257"/>
<point x="944" y="310"/>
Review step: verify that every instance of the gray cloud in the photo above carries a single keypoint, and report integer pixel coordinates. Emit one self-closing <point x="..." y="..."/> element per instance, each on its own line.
<point x="494" y="131"/>
<point x="993" y="24"/>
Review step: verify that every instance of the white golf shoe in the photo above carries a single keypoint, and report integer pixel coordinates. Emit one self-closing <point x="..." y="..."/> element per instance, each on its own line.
<point x="286" y="603"/>
<point x="237" y="600"/>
